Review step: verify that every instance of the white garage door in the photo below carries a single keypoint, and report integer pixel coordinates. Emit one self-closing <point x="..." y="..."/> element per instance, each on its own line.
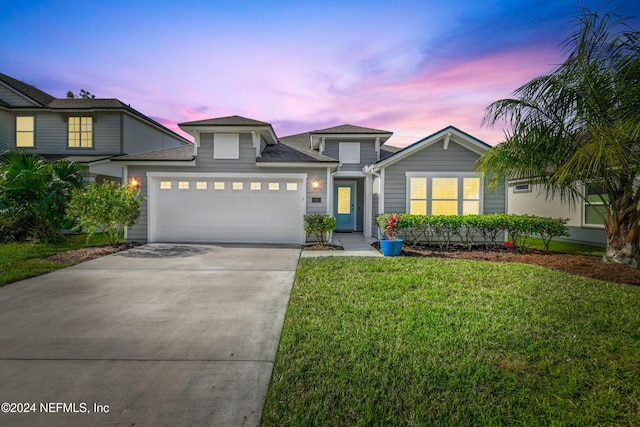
<point x="227" y="209"/>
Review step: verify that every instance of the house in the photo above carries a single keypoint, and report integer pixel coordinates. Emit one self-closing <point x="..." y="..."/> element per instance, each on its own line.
<point x="585" y="226"/>
<point x="87" y="131"/>
<point x="241" y="183"/>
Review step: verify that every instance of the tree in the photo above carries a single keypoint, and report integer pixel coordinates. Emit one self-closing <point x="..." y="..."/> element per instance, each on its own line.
<point x="579" y="127"/>
<point x="35" y="193"/>
<point x="105" y="208"/>
<point x="84" y="94"/>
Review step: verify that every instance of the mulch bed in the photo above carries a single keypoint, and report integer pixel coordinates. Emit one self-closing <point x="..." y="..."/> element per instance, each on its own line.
<point x="323" y="248"/>
<point x="580" y="265"/>
<point x="91" y="252"/>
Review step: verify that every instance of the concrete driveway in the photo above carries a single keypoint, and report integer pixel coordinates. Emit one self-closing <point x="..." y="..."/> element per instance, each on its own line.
<point x="158" y="335"/>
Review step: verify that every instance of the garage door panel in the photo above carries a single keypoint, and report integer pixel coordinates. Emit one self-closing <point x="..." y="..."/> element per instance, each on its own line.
<point x="227" y="215"/>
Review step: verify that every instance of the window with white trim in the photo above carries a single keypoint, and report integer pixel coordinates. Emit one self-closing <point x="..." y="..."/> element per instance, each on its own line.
<point x="349" y="152"/>
<point x="80" y="132"/>
<point x="25" y="131"/>
<point x="226" y="146"/>
<point x="443" y="195"/>
<point x="594" y="206"/>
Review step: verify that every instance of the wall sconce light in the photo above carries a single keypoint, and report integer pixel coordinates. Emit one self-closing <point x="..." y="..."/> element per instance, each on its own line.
<point x="134" y="183"/>
<point x="315" y="185"/>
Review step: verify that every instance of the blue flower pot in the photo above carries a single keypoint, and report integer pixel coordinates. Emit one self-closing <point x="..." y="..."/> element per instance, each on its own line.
<point x="391" y="247"/>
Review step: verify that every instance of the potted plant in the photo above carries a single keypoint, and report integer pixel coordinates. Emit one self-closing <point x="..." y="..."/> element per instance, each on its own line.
<point x="391" y="246"/>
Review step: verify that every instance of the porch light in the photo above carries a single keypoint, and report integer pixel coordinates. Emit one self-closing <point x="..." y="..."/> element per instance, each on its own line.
<point x="134" y="183"/>
<point x="315" y="185"/>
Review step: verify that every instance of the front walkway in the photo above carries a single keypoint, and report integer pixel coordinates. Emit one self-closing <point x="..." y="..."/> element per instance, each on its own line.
<point x="354" y="244"/>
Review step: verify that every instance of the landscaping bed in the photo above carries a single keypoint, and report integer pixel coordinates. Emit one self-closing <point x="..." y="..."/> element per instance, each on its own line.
<point x="76" y="256"/>
<point x="579" y="265"/>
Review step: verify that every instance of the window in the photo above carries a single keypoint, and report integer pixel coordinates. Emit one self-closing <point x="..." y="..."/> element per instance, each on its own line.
<point x="165" y="185"/>
<point x="201" y="185"/>
<point x="435" y="195"/>
<point x="226" y="146"/>
<point x="470" y="196"/>
<point x="183" y="185"/>
<point x="80" y="132"/>
<point x="236" y="185"/>
<point x="594" y="206"/>
<point x="521" y="188"/>
<point x="256" y="186"/>
<point x="444" y="196"/>
<point x="25" y="131"/>
<point x="418" y="196"/>
<point x="349" y="152"/>
<point x="292" y="186"/>
<point x="274" y="186"/>
<point x="218" y="185"/>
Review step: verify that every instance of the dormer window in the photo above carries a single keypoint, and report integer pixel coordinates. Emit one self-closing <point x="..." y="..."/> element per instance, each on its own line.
<point x="226" y="146"/>
<point x="80" y="132"/>
<point x="349" y="152"/>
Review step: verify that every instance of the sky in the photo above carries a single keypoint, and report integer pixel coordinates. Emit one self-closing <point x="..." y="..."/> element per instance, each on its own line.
<point x="409" y="67"/>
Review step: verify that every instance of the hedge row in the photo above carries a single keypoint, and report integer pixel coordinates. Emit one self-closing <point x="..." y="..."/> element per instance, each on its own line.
<point x="443" y="229"/>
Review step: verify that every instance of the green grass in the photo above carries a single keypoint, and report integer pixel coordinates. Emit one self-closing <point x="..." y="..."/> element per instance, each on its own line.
<point x="426" y="341"/>
<point x="23" y="260"/>
<point x="565" y="247"/>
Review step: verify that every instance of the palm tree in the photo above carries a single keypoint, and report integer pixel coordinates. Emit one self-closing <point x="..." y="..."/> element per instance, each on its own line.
<point x="579" y="127"/>
<point x="35" y="193"/>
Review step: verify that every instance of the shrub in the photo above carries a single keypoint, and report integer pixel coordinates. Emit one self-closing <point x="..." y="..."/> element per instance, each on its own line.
<point x="419" y="228"/>
<point x="319" y="225"/>
<point x="35" y="193"/>
<point x="107" y="208"/>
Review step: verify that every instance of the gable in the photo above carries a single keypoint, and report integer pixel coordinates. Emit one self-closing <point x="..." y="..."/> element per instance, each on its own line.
<point x="14" y="98"/>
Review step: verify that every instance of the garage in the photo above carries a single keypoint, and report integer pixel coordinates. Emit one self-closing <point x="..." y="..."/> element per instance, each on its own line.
<point x="227" y="208"/>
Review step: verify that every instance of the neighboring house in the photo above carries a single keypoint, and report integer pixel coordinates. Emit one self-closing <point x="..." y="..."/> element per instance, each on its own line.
<point x="585" y="226"/>
<point x="241" y="183"/>
<point x="87" y="131"/>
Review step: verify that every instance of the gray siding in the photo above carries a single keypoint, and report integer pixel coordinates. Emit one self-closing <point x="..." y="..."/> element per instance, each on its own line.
<point x="367" y="153"/>
<point x="435" y="158"/>
<point x="139" y="136"/>
<point x="14" y="99"/>
<point x="52" y="135"/>
<point x="7" y="124"/>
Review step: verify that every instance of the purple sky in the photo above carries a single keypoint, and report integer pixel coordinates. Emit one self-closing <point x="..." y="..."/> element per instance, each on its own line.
<point x="410" y="67"/>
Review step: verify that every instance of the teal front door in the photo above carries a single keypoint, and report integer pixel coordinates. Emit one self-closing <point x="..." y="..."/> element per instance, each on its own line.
<point x="344" y="205"/>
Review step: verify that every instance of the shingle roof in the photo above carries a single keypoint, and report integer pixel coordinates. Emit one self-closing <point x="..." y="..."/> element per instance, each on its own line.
<point x="32" y="92"/>
<point x="184" y="153"/>
<point x="86" y="103"/>
<point x="226" y="121"/>
<point x="78" y="159"/>
<point x="388" y="150"/>
<point x="346" y="128"/>
<point x="293" y="148"/>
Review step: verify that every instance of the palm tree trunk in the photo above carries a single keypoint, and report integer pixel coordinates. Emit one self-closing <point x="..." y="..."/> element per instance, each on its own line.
<point x="622" y="240"/>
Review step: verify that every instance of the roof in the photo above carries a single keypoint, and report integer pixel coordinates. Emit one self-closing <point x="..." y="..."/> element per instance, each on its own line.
<point x="32" y="92"/>
<point x="182" y="153"/>
<point x="78" y="159"/>
<point x="226" y="121"/>
<point x="347" y="128"/>
<point x="293" y="148"/>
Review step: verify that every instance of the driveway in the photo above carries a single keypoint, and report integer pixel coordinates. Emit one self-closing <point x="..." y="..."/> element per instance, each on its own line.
<point x="157" y="335"/>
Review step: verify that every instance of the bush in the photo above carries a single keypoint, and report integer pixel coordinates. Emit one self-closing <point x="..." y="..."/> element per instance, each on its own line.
<point x="34" y="194"/>
<point x="107" y="208"/>
<point x="421" y="228"/>
<point x="319" y="225"/>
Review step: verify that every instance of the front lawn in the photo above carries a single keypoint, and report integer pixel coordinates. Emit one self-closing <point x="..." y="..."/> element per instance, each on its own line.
<point x="427" y="341"/>
<point x="23" y="260"/>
